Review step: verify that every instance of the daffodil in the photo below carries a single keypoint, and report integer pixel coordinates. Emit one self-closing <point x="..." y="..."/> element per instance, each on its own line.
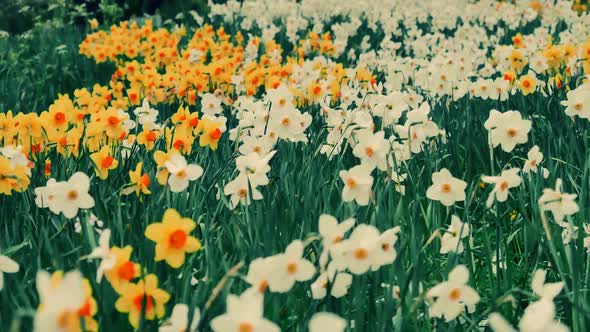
<point x="65" y="300"/>
<point x="181" y="173"/>
<point x="327" y="322"/>
<point x="357" y="184"/>
<point x="446" y="188"/>
<point x="139" y="184"/>
<point x="452" y="296"/>
<point x="210" y="133"/>
<point x="142" y="297"/>
<point x="173" y="239"/>
<point x="104" y="162"/>
<point x="124" y="270"/>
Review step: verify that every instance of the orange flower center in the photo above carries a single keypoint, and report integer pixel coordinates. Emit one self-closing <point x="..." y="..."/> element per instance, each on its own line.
<point x="215" y="134"/>
<point x="511" y="132"/>
<point x="369" y="152"/>
<point x="286" y="121"/>
<point x="59" y="117"/>
<point x="245" y="327"/>
<point x="317" y="90"/>
<point x="292" y="268"/>
<point x="151" y="136"/>
<point x="181" y="174"/>
<point x="385" y="246"/>
<point x="455" y="294"/>
<point x="178" y="144"/>
<point x="361" y="253"/>
<point x="113" y="120"/>
<point x="337" y="239"/>
<point x="145" y="180"/>
<point x="262" y="286"/>
<point x="243" y="193"/>
<point x="107" y="162"/>
<point x="351" y="183"/>
<point x="126" y="271"/>
<point x="139" y="300"/>
<point x="526" y="84"/>
<point x="72" y="194"/>
<point x="85" y="310"/>
<point x="67" y="320"/>
<point x="177" y="239"/>
<point x="503" y="185"/>
<point x="578" y="107"/>
<point x="446" y="188"/>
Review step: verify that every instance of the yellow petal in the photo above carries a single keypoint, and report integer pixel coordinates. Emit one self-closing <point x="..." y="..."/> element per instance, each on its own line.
<point x="170" y="216"/>
<point x="175" y="258"/>
<point x="151" y="283"/>
<point x="134" y="318"/>
<point x="156" y="232"/>
<point x="192" y="244"/>
<point x="123" y="305"/>
<point x="161" y="252"/>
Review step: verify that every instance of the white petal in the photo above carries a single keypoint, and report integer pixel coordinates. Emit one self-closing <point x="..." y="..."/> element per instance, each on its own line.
<point x="459" y="275"/>
<point x="8" y="265"/>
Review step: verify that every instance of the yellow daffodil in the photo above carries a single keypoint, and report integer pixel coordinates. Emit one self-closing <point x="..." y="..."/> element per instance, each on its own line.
<point x="103" y="162"/>
<point x="172" y="237"/>
<point x="140" y="183"/>
<point x="144" y="296"/>
<point x="124" y="269"/>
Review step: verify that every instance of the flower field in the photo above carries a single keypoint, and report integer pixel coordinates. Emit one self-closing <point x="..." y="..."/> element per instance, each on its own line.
<point x="316" y="166"/>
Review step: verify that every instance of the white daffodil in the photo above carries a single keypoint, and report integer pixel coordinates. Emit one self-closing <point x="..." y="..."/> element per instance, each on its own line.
<point x="451" y="297"/>
<point x="244" y="313"/>
<point x="181" y="173"/>
<point x="560" y="204"/>
<point x="446" y="188"/>
<point x="357" y="184"/>
<point x="451" y="241"/>
<point x="507" y="129"/>
<point x="509" y="178"/>
<point x="104" y="253"/>
<point x="179" y="319"/>
<point x="326" y="322"/>
<point x="291" y="267"/>
<point x="532" y="164"/>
